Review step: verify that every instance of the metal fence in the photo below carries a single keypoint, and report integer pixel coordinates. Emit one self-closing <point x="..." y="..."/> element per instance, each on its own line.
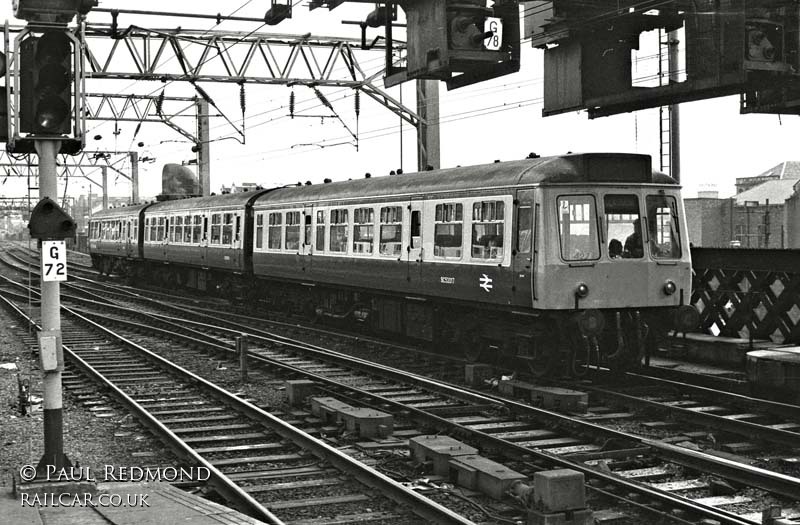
<point x="748" y="293"/>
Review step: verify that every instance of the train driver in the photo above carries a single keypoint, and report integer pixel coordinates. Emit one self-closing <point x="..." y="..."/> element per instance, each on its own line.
<point x="615" y="249"/>
<point x="633" y="244"/>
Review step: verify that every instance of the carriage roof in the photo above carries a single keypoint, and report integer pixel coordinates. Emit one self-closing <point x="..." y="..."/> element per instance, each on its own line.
<point x="574" y="168"/>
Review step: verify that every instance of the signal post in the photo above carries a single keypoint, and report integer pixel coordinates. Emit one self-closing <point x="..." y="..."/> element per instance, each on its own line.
<point x="46" y="118"/>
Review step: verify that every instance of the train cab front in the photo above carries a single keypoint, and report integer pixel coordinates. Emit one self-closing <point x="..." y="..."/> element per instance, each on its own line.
<point x="616" y="266"/>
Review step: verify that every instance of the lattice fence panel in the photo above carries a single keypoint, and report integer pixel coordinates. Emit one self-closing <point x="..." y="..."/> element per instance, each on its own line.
<point x="748" y="293"/>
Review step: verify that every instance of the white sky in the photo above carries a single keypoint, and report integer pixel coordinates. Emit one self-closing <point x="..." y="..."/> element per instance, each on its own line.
<point x="499" y="119"/>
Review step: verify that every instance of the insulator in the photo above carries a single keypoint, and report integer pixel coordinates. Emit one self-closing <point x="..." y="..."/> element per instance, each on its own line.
<point x="321" y="97"/>
<point x="291" y="104"/>
<point x="242" y="98"/>
<point x="160" y="103"/>
<point x="358" y="103"/>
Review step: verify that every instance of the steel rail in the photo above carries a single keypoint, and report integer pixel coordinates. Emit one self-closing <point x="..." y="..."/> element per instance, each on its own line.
<point x="734" y="426"/>
<point x="674" y="453"/>
<point x="221" y="483"/>
<point x="420" y="505"/>
<point x="772" y="481"/>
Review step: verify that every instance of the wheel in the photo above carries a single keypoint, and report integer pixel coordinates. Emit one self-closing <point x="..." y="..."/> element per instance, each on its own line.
<point x="471" y="345"/>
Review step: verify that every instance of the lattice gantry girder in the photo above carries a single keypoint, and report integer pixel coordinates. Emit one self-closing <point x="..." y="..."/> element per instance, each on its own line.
<point x="138" y="53"/>
<point x="762" y="301"/>
<point x="222" y="57"/>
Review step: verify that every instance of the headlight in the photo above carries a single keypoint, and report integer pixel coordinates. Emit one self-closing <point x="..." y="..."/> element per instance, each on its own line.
<point x="670" y="288"/>
<point x="582" y="290"/>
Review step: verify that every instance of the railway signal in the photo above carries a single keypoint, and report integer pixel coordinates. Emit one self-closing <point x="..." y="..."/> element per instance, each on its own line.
<point x="460" y="42"/>
<point x="46" y="84"/>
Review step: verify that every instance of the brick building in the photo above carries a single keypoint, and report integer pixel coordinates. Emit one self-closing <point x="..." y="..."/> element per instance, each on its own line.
<point x="764" y="213"/>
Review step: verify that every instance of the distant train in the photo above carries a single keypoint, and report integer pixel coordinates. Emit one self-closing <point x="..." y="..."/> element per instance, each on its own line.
<point x="581" y="258"/>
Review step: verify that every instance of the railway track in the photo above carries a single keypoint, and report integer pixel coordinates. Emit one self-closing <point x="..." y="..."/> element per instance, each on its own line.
<point x="258" y="462"/>
<point x="510" y="428"/>
<point x="505" y="426"/>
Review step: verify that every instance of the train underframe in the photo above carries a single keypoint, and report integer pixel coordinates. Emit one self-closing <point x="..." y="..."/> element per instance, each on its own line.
<point x="542" y="342"/>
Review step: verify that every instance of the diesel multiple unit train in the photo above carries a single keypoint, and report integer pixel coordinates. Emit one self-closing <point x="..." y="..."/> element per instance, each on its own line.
<point x="581" y="258"/>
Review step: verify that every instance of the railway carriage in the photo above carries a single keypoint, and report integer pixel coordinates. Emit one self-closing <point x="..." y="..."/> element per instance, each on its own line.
<point x="544" y="261"/>
<point x="114" y="238"/>
<point x="202" y="242"/>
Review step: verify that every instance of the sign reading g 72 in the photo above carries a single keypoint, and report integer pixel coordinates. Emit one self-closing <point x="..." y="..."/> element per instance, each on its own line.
<point x="54" y="261"/>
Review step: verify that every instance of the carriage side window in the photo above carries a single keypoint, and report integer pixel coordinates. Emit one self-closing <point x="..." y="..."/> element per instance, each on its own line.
<point x="259" y="231"/>
<point x="216" y="228"/>
<point x="338" y="235"/>
<point x="623" y="227"/>
<point x="187" y="229"/>
<point x="320" y="238"/>
<point x="176" y="229"/>
<point x="391" y="231"/>
<point x="227" y="228"/>
<point x="447" y="238"/>
<point x="363" y="230"/>
<point x="292" y="230"/>
<point x="197" y="229"/>
<point x="488" y="221"/>
<point x="274" y="231"/>
<point x="577" y="227"/>
<point x="524" y="229"/>
<point x="135" y="230"/>
<point x="148" y="232"/>
<point x="663" y="227"/>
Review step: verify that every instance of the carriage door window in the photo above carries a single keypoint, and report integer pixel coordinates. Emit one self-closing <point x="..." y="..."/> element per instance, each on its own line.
<point x="524" y="229"/>
<point x="320" y="239"/>
<point x="363" y="231"/>
<point x="577" y="228"/>
<point x="293" y="230"/>
<point x="662" y="224"/>
<point x="391" y="231"/>
<point x="307" y="228"/>
<point x="259" y="231"/>
<point x="447" y="233"/>
<point x="623" y="227"/>
<point x="488" y="219"/>
<point x="205" y="229"/>
<point x="237" y="231"/>
<point x="416" y="238"/>
<point x="216" y="228"/>
<point x="197" y="230"/>
<point x="274" y="231"/>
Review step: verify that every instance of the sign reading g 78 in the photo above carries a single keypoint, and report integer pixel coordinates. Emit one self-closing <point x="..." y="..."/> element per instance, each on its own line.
<point x="54" y="261"/>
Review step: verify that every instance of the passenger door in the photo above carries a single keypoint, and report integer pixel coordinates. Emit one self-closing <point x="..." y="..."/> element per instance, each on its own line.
<point x="237" y="242"/>
<point x="308" y="235"/>
<point x="523" y="245"/>
<point x="414" y="250"/>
